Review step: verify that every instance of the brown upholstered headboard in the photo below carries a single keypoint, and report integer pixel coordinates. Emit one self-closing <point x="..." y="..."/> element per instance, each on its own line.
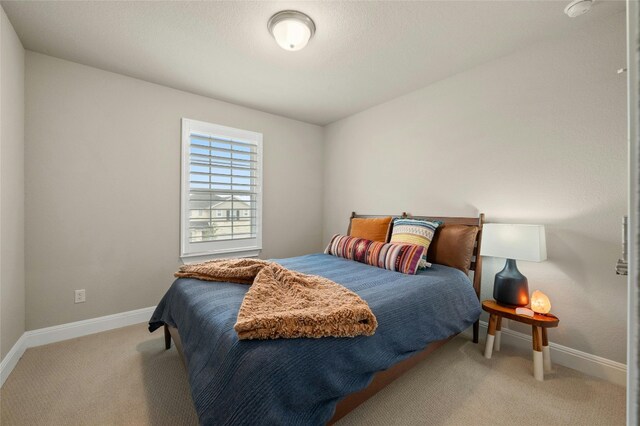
<point x="476" y="260"/>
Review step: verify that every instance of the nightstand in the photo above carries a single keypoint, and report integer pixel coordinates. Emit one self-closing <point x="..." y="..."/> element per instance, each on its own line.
<point x="539" y="324"/>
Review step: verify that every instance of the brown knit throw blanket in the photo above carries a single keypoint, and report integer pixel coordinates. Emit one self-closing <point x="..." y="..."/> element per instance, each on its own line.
<point x="287" y="304"/>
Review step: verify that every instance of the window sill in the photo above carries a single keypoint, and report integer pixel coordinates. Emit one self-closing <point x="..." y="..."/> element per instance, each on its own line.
<point x="229" y="254"/>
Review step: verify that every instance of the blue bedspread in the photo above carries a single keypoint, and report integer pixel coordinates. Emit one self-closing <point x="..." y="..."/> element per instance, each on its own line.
<point x="299" y="381"/>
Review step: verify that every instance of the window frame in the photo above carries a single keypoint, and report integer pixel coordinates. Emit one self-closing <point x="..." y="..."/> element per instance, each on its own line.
<point x="246" y="247"/>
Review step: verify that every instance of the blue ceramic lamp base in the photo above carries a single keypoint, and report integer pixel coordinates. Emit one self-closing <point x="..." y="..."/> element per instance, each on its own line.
<point x="510" y="287"/>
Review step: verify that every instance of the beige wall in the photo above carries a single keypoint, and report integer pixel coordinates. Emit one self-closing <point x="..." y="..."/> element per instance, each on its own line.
<point x="12" y="300"/>
<point x="103" y="187"/>
<point x="535" y="137"/>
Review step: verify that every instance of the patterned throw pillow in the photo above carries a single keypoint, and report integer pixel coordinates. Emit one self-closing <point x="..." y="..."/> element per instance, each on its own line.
<point x="414" y="231"/>
<point x="394" y="257"/>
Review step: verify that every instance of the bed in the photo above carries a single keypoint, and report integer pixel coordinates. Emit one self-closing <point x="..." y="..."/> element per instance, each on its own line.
<point x="314" y="381"/>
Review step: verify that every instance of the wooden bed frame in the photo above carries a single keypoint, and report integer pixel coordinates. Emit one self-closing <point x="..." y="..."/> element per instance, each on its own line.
<point x="383" y="378"/>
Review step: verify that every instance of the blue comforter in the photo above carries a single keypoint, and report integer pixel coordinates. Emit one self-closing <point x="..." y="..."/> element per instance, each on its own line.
<point x="299" y="381"/>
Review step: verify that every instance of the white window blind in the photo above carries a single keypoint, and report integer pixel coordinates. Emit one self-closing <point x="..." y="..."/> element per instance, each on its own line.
<point x="221" y="190"/>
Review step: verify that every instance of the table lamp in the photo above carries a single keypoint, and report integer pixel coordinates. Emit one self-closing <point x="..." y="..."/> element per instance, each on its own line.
<point x="513" y="242"/>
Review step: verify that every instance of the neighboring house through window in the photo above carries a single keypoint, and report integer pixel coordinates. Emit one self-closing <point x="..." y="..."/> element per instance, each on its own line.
<point x="221" y="190"/>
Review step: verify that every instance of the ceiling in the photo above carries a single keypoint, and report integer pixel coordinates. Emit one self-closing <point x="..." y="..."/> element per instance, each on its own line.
<point x="363" y="53"/>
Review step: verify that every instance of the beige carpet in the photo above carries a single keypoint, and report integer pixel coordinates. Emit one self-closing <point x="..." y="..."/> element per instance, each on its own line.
<point x="124" y="377"/>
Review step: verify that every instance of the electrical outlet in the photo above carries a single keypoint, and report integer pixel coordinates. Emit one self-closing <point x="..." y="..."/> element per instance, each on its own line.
<point x="81" y="296"/>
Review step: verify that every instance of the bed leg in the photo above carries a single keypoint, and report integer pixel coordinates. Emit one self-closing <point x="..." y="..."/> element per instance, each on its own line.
<point x="167" y="337"/>
<point x="476" y="331"/>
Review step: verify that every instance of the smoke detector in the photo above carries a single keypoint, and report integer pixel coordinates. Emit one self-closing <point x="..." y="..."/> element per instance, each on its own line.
<point x="578" y="7"/>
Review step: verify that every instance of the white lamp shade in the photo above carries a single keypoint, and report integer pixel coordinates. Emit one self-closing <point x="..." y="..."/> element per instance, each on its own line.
<point x="519" y="242"/>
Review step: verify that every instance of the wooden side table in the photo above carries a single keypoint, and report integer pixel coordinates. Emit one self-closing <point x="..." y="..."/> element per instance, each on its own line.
<point x="539" y="324"/>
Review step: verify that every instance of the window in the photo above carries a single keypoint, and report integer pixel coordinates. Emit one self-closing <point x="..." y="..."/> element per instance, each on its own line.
<point x="221" y="177"/>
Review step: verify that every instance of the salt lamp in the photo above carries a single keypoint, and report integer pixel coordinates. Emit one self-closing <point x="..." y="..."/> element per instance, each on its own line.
<point x="540" y="302"/>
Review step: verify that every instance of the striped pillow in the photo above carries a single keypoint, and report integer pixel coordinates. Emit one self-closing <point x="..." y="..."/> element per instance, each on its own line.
<point x="394" y="257"/>
<point x="414" y="231"/>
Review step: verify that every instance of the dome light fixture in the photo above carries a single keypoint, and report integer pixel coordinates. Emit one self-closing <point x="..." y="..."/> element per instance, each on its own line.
<point x="578" y="7"/>
<point x="291" y="29"/>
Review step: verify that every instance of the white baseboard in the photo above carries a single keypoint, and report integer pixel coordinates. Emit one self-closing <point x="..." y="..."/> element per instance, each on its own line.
<point x="592" y="365"/>
<point x="11" y="359"/>
<point x="58" y="333"/>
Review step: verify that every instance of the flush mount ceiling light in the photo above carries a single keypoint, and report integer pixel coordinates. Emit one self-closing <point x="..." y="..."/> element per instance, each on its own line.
<point x="578" y="7"/>
<point x="291" y="29"/>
